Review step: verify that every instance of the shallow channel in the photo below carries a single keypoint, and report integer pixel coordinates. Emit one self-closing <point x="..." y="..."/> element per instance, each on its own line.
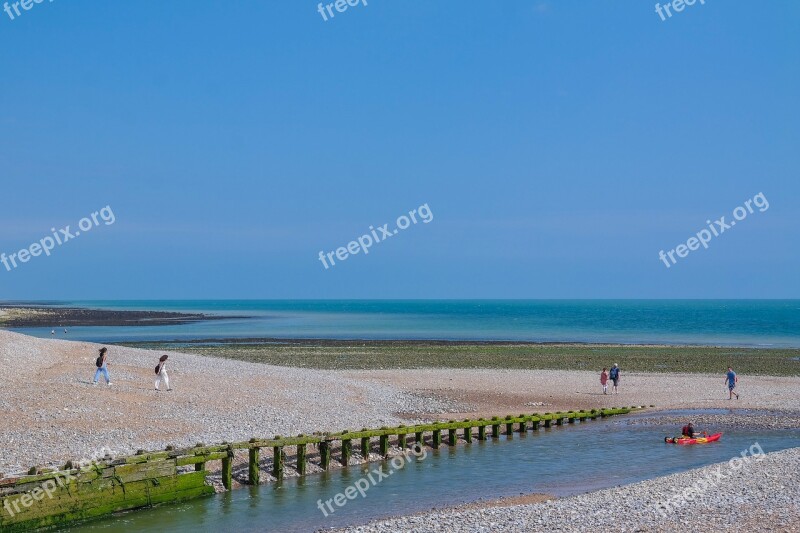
<point x="560" y="461"/>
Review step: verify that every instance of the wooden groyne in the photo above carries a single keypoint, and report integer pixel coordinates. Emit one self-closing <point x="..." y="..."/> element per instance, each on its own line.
<point x="61" y="497"/>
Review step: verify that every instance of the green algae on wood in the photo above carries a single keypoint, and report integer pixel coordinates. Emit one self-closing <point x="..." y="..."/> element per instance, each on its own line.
<point x="227" y="470"/>
<point x="301" y="459"/>
<point x="347" y="451"/>
<point x="277" y="462"/>
<point x="324" y="454"/>
<point x="384" y="445"/>
<point x="365" y="447"/>
<point x="254" y="475"/>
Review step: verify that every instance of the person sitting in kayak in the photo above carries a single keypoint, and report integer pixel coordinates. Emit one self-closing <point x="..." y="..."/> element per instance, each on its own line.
<point x="688" y="431"/>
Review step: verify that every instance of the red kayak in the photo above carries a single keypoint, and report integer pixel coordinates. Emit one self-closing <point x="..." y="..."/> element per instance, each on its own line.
<point x="693" y="440"/>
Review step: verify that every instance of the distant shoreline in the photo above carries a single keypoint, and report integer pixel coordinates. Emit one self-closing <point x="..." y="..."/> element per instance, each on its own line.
<point x="30" y="316"/>
<point x="738" y="324"/>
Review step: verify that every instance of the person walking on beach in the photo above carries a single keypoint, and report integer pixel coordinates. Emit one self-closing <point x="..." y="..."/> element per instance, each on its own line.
<point x="102" y="367"/>
<point x="614" y="375"/>
<point x="604" y="380"/>
<point x="731" y="380"/>
<point x="161" y="373"/>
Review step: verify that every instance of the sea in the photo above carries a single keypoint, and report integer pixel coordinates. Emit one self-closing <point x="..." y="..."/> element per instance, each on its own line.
<point x="745" y="323"/>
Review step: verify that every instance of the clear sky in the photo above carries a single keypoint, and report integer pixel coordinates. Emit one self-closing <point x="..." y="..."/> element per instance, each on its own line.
<point x="560" y="145"/>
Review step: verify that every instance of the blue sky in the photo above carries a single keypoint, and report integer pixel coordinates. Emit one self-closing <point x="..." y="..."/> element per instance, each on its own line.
<point x="559" y="145"/>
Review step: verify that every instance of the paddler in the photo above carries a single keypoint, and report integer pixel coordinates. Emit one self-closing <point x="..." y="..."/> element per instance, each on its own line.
<point x="688" y="431"/>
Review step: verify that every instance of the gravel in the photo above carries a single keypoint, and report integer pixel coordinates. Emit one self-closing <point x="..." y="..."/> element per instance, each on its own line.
<point x="759" y="495"/>
<point x="768" y="420"/>
<point x="51" y="412"/>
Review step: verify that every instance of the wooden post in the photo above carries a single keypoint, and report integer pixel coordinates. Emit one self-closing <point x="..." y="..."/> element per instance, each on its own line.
<point x="453" y="438"/>
<point x="401" y="441"/>
<point x="254" y="475"/>
<point x="559" y="421"/>
<point x="548" y="423"/>
<point x="384" y="445"/>
<point x="227" y="471"/>
<point x="325" y="454"/>
<point x="418" y="437"/>
<point x="495" y="431"/>
<point x="347" y="450"/>
<point x="468" y="434"/>
<point x="277" y="461"/>
<point x="365" y="448"/>
<point x="509" y="429"/>
<point x="535" y="424"/>
<point x="301" y="459"/>
<point x="481" y="432"/>
<point x="523" y="427"/>
<point x="436" y="440"/>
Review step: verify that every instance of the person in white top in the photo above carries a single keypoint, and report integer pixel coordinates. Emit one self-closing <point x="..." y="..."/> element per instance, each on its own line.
<point x="161" y="373"/>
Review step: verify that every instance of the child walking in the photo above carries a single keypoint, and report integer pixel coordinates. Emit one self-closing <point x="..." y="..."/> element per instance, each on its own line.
<point x="604" y="380"/>
<point x="102" y="367"/>
<point x="161" y="373"/>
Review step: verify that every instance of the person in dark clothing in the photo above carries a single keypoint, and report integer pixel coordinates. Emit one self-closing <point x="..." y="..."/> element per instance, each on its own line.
<point x="689" y="431"/>
<point x="614" y="375"/>
<point x="102" y="367"/>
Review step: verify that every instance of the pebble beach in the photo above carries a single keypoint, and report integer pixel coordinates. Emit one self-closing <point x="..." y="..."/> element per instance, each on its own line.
<point x="52" y="413"/>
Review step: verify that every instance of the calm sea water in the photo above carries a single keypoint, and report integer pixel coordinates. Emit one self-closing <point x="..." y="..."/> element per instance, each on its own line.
<point x="764" y="323"/>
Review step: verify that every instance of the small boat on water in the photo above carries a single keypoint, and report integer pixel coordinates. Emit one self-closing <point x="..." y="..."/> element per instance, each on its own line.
<point x="693" y="440"/>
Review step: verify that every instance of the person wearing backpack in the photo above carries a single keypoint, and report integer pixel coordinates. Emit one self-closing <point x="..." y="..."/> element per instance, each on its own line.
<point x="102" y="367"/>
<point x="614" y="375"/>
<point x="161" y="373"/>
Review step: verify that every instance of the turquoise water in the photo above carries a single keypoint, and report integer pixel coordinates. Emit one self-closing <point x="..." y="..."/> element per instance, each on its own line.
<point x="764" y="323"/>
<point x="559" y="461"/>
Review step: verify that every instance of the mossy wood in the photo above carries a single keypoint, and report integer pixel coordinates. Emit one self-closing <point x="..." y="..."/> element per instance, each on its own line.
<point x="277" y="462"/>
<point x="347" y="451"/>
<point x="325" y="454"/>
<point x="254" y="475"/>
<point x="301" y="459"/>
<point x="365" y="447"/>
